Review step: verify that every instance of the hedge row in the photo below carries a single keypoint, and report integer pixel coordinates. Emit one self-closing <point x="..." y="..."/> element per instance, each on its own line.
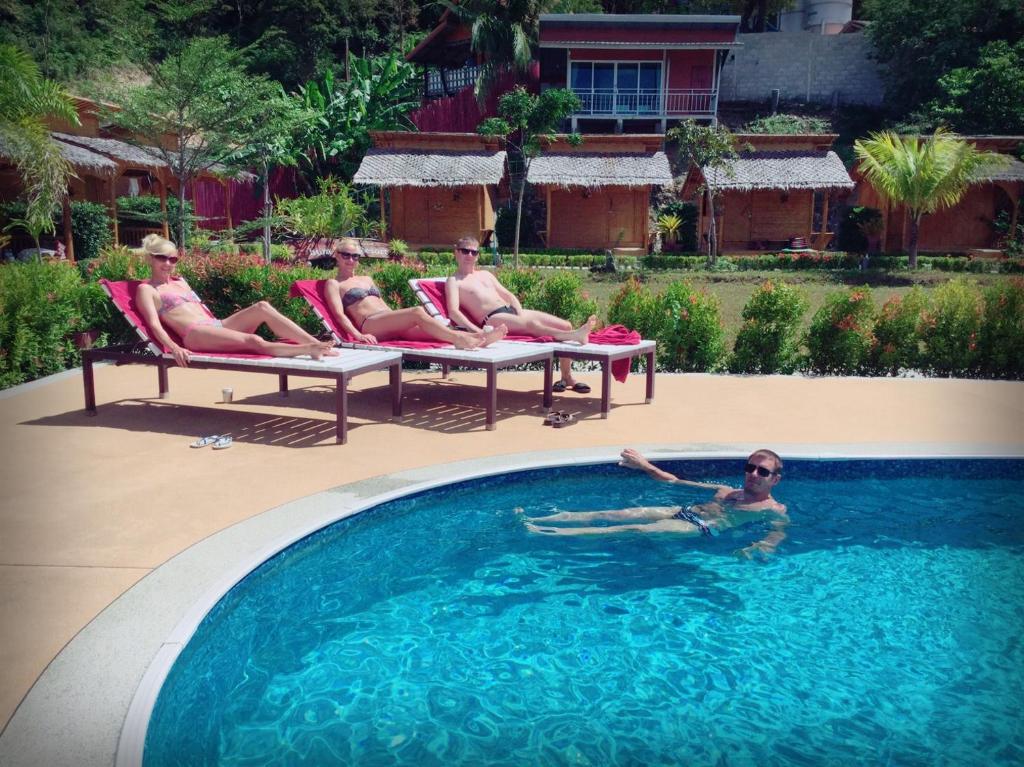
<point x="954" y="330"/>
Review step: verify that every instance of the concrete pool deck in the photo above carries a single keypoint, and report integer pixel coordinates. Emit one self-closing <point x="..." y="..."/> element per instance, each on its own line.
<point x="95" y="505"/>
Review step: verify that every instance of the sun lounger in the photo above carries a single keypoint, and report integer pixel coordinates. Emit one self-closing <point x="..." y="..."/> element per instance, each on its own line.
<point x="490" y="359"/>
<point x="615" y="358"/>
<point x="149" y="352"/>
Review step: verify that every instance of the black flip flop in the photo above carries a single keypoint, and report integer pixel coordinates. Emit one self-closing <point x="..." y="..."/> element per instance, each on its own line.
<point x="581" y="388"/>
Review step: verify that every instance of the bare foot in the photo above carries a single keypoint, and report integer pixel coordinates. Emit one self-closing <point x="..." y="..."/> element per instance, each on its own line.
<point x="494" y="334"/>
<point x="466" y="341"/>
<point x="321" y="349"/>
<point x="582" y="334"/>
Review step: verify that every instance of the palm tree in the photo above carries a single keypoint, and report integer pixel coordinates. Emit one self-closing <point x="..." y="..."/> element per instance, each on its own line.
<point x="925" y="175"/>
<point x="27" y="99"/>
<point x="504" y="33"/>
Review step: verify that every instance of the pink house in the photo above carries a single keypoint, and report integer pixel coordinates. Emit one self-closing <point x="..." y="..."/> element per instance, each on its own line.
<point x="636" y="73"/>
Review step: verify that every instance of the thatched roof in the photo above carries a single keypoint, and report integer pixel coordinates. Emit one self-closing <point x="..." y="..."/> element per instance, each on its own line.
<point x="117" y="150"/>
<point x="781" y="170"/>
<point x="82" y="160"/>
<point x="407" y="167"/>
<point x="1011" y="170"/>
<point x="592" y="169"/>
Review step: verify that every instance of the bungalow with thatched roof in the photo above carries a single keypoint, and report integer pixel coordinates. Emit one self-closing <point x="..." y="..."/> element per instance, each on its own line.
<point x="598" y="193"/>
<point x="968" y="225"/>
<point x="442" y="186"/>
<point x="780" y="188"/>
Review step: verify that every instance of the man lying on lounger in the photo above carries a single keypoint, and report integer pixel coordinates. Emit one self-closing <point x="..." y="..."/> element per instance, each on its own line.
<point x="730" y="507"/>
<point x="475" y="298"/>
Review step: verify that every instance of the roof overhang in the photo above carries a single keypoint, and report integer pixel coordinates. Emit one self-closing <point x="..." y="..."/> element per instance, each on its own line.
<point x="597" y="169"/>
<point x="430" y="167"/>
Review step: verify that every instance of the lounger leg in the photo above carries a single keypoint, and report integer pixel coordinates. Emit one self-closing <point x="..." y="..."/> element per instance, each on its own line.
<point x="445" y="369"/>
<point x="606" y="387"/>
<point x="162" y="378"/>
<point x="548" y="381"/>
<point x="650" y="377"/>
<point x="396" y="389"/>
<point x="341" y="409"/>
<point x="492" y="396"/>
<point x="90" y="385"/>
<point x="282" y="384"/>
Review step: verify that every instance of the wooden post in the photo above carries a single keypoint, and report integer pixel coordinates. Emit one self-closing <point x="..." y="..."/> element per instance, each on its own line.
<point x="547" y="221"/>
<point x="383" y="218"/>
<point x="113" y="210"/>
<point x="69" y="240"/>
<point x="1013" y="214"/>
<point x="163" y="208"/>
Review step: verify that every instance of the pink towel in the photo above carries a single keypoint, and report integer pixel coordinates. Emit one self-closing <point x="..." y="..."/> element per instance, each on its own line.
<point x="613" y="335"/>
<point x="313" y="292"/>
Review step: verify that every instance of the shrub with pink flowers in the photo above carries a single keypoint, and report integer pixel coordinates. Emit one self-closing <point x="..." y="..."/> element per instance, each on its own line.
<point x="839" y="339"/>
<point x="635" y="307"/>
<point x="768" y="341"/>
<point x="895" y="345"/>
<point x="949" y="329"/>
<point x="562" y="295"/>
<point x="692" y="338"/>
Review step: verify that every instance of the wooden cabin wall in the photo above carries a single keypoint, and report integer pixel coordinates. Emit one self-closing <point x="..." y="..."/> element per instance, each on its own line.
<point x="593" y="218"/>
<point x="966" y="225"/>
<point x="438" y="216"/>
<point x="764" y="216"/>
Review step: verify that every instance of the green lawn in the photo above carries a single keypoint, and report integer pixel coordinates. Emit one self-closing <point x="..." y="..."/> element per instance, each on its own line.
<point x="734" y="288"/>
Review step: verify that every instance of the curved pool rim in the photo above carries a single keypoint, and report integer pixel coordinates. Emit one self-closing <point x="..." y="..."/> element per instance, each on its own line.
<point x="130" y="651"/>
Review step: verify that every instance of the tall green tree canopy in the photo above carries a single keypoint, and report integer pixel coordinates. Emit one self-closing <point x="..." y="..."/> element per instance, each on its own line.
<point x="987" y="98"/>
<point x="923" y="174"/>
<point x="919" y="41"/>
<point x="27" y="99"/>
<point x="201" y="97"/>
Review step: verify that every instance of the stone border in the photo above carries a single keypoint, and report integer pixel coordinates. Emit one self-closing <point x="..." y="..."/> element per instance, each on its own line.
<point x="91" y="706"/>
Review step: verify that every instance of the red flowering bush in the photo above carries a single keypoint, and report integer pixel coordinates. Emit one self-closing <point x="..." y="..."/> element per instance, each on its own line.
<point x="839" y="339"/>
<point x="949" y="329"/>
<point x="1001" y="345"/>
<point x="692" y="338"/>
<point x="392" y="277"/>
<point x="562" y="295"/>
<point x="635" y="307"/>
<point x="768" y="341"/>
<point x="895" y="345"/>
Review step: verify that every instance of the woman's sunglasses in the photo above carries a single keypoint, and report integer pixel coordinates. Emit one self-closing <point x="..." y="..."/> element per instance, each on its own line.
<point x="761" y="471"/>
<point x="169" y="259"/>
<point x="347" y="256"/>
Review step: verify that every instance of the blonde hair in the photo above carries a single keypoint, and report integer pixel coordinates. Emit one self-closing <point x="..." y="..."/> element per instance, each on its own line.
<point x="351" y="242"/>
<point x="155" y="245"/>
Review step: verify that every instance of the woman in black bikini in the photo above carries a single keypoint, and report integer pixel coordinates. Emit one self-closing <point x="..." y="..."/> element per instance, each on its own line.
<point x="357" y="306"/>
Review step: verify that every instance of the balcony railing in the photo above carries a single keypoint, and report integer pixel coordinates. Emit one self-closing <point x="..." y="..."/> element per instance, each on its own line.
<point x="457" y="79"/>
<point x="656" y="103"/>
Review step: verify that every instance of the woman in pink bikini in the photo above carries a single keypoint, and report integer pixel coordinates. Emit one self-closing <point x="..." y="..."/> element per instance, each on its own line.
<point x="167" y="300"/>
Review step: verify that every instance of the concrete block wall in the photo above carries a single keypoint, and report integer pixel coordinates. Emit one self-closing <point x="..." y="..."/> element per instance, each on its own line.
<point x="804" y="67"/>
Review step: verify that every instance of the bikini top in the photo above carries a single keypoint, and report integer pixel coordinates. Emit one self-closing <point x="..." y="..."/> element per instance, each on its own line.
<point x="355" y="295"/>
<point x="170" y="301"/>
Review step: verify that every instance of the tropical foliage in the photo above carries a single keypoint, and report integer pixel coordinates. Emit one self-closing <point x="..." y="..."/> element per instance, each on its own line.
<point x="923" y="174"/>
<point x="27" y="99"/>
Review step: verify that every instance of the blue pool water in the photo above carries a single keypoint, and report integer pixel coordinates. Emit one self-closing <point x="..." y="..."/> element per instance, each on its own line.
<point x="435" y="630"/>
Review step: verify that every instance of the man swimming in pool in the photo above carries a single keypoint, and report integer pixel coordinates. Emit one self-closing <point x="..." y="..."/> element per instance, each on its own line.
<point x="730" y="507"/>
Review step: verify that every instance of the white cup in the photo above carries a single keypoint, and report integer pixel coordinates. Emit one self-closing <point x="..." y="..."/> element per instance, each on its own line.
<point x="227" y="394"/>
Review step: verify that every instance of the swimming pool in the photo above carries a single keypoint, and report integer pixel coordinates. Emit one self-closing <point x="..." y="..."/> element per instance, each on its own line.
<point x="436" y="630"/>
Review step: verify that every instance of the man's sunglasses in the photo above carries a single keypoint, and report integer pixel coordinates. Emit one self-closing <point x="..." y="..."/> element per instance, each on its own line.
<point x="169" y="259"/>
<point x="349" y="256"/>
<point x="761" y="471"/>
<point x="470" y="251"/>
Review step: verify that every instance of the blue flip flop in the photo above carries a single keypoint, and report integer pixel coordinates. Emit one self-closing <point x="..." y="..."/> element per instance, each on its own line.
<point x="222" y="442"/>
<point x="204" y="441"/>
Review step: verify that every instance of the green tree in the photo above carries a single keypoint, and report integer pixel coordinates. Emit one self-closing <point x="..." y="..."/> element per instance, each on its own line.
<point x="924" y="175"/>
<point x="526" y="124"/>
<point x="987" y="98"/>
<point x="27" y="100"/>
<point x="711" y="149"/>
<point x="271" y="141"/>
<point x="921" y="40"/>
<point x="379" y="94"/>
<point x="200" y="96"/>
<point x="504" y="34"/>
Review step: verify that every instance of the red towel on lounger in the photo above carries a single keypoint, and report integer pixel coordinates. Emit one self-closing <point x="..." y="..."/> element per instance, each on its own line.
<point x="313" y="292"/>
<point x="613" y="335"/>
